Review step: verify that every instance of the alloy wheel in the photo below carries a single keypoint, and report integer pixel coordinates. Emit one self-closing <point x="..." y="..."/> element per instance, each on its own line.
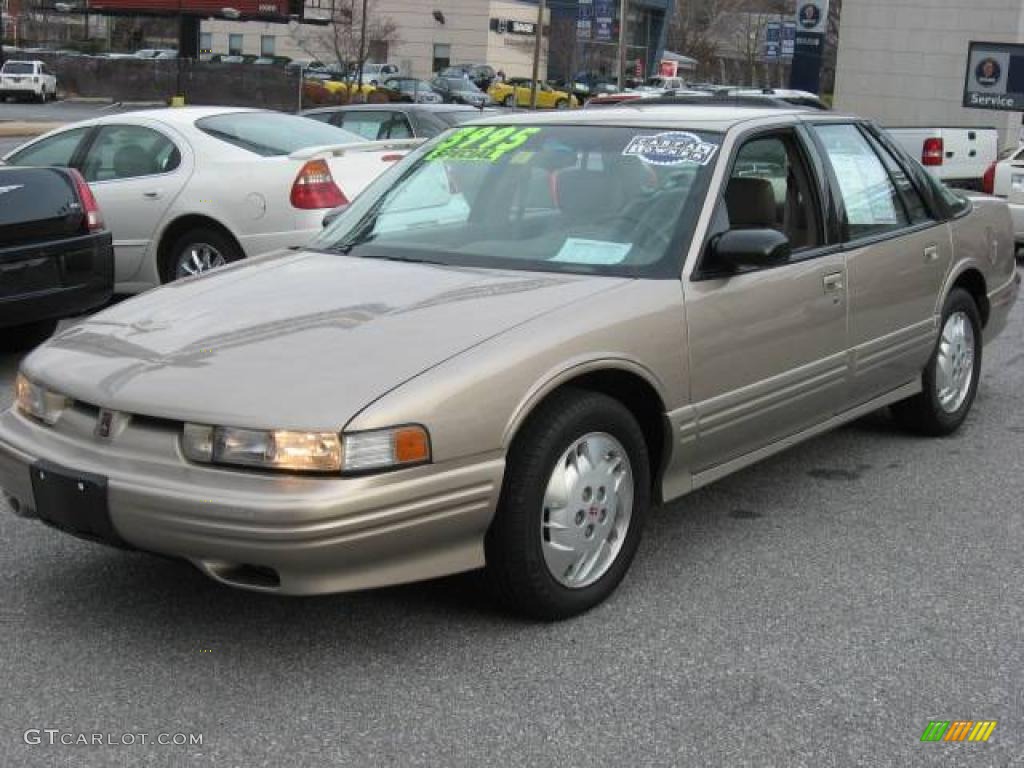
<point x="198" y="258"/>
<point x="954" y="372"/>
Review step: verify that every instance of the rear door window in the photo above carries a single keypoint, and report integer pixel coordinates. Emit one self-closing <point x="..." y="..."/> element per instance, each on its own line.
<point x="870" y="200"/>
<point x="129" y="151"/>
<point x="917" y="211"/>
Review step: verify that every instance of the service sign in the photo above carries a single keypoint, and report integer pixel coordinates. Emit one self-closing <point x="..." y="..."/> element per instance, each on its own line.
<point x="995" y="77"/>
<point x="812" y="16"/>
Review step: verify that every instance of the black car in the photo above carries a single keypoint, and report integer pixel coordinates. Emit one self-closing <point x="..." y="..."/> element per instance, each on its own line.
<point x="397" y="121"/>
<point x="56" y="256"/>
<point x="459" y="90"/>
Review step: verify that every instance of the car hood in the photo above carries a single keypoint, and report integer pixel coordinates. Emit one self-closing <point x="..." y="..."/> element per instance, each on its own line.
<point x="295" y="340"/>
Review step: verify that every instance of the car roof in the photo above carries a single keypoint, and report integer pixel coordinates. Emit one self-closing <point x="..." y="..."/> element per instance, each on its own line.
<point x="637" y="113"/>
<point x="397" y="105"/>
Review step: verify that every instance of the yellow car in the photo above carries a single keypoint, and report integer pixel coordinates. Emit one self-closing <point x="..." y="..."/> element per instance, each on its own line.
<point x="338" y="86"/>
<point x="516" y="92"/>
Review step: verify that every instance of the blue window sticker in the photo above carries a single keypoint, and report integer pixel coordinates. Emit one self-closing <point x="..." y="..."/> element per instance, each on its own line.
<point x="671" y="148"/>
<point x="596" y="252"/>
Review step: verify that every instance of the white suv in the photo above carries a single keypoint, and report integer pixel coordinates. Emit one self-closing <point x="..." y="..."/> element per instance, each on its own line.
<point x="27" y="80"/>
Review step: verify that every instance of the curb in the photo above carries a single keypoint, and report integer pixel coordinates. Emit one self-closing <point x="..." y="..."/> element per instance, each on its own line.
<point x="19" y="128"/>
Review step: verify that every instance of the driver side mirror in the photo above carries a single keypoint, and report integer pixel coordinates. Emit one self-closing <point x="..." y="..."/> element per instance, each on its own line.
<point x="742" y="250"/>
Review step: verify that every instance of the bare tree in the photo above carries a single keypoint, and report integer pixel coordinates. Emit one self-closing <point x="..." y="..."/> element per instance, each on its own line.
<point x="342" y="37"/>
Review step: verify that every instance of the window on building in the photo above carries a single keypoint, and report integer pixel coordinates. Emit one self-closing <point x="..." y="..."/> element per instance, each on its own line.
<point x="235" y="45"/>
<point x="206" y="42"/>
<point x="267" y="45"/>
<point x="377" y="50"/>
<point x="442" y="56"/>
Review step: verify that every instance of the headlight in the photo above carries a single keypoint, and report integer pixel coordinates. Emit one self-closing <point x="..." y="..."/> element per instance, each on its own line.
<point x="306" y="451"/>
<point x="38" y="402"/>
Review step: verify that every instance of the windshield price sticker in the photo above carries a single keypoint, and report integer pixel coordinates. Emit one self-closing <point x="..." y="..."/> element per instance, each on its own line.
<point x="488" y="143"/>
<point x="674" y="148"/>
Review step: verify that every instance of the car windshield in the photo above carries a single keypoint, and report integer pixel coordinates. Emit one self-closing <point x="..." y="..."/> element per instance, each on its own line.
<point x="591" y="200"/>
<point x="18" y="68"/>
<point x="271" y="134"/>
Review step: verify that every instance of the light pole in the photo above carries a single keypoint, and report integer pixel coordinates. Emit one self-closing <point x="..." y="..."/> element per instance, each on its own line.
<point x="362" y="45"/>
<point x="623" y="8"/>
<point x="538" y="41"/>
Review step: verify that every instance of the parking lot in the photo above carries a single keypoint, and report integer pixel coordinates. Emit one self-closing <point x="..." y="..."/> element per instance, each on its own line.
<point x="817" y="609"/>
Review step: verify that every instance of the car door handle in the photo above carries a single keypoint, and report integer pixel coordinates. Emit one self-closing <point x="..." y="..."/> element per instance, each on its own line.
<point x="833" y="283"/>
<point x="153" y="195"/>
<point x="931" y="253"/>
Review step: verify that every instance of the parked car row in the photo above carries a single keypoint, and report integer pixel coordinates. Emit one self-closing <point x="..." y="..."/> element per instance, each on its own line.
<point x="186" y="190"/>
<point x="503" y="352"/>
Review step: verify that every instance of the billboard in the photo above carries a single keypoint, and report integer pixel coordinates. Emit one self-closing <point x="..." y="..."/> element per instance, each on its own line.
<point x="995" y="77"/>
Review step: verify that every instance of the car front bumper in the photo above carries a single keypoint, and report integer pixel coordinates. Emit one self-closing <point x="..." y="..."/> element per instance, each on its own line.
<point x="287" y="534"/>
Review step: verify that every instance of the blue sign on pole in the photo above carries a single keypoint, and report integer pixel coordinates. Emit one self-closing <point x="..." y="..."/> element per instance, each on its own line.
<point x="788" y="39"/>
<point x="604" y="15"/>
<point x="772" y="40"/>
<point x="585" y="20"/>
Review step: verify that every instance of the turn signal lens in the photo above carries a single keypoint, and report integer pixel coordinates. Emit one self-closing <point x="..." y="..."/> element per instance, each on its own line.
<point x="385" y="448"/>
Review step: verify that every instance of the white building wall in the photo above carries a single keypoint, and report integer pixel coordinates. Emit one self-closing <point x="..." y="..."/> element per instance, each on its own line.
<point x="466" y="30"/>
<point x="903" y="62"/>
<point x="513" y="54"/>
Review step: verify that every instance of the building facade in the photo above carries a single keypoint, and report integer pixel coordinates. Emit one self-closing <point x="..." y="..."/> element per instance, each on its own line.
<point x="903" y="62"/>
<point x="427" y="35"/>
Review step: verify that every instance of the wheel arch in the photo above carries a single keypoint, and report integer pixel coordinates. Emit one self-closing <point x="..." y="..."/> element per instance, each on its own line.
<point x="179" y="226"/>
<point x="625" y="381"/>
<point x="971" y="279"/>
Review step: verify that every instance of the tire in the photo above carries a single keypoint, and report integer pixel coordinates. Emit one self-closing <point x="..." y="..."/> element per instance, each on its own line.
<point x="561" y="104"/>
<point x="938" y="410"/>
<point x="510" y="101"/>
<point x="23" y="337"/>
<point x="519" y="540"/>
<point x="223" y="250"/>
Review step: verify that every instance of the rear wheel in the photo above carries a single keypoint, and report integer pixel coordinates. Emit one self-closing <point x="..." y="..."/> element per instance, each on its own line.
<point x="561" y="104"/>
<point x="22" y="337"/>
<point x="576" y="491"/>
<point x="510" y="101"/>
<point x="197" y="251"/>
<point x="950" y="380"/>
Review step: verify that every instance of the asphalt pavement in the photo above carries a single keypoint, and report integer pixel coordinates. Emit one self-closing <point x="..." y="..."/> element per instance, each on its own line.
<point x="818" y="609"/>
<point x="57" y="111"/>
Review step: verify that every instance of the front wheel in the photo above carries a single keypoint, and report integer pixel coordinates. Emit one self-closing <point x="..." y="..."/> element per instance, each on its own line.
<point x="562" y="104"/>
<point x="576" y="491"/>
<point x="510" y="101"/>
<point x="950" y="380"/>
